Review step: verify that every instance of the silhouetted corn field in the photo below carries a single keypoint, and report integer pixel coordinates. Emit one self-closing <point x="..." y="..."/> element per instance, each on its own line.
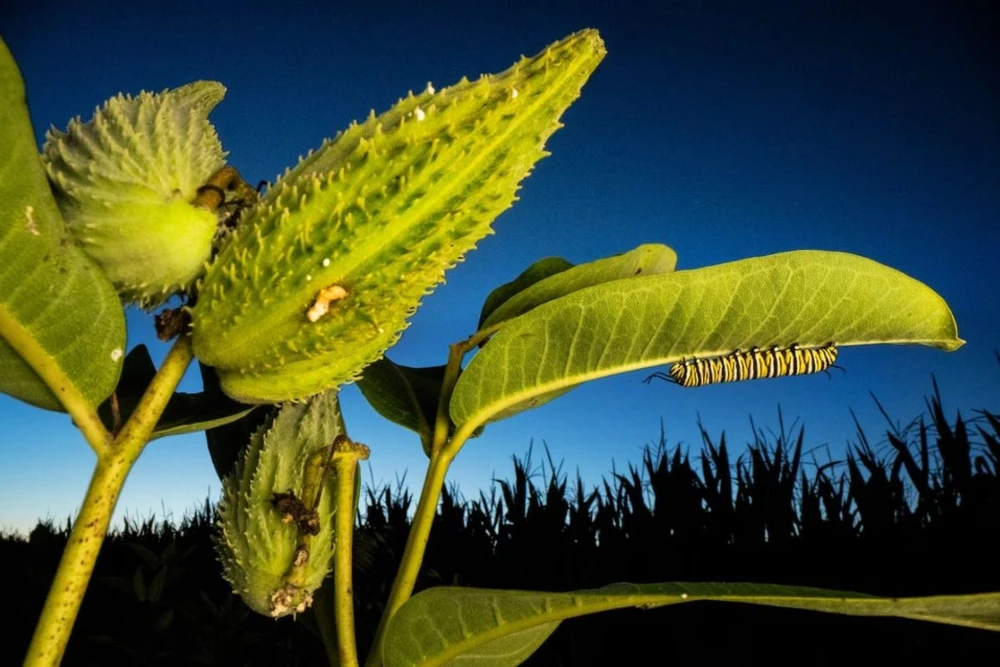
<point x="917" y="513"/>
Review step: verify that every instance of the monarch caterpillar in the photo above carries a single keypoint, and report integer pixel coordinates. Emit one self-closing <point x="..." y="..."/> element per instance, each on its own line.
<point x="751" y="364"/>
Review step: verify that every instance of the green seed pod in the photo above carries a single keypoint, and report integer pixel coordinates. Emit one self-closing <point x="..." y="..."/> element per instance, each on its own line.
<point x="320" y="277"/>
<point x="276" y="517"/>
<point x="124" y="182"/>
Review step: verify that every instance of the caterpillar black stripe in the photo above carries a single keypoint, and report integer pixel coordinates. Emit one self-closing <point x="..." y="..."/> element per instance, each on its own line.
<point x="751" y="364"/>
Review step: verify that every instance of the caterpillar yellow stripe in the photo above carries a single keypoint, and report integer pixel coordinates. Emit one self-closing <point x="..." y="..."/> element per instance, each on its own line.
<point x="751" y="364"/>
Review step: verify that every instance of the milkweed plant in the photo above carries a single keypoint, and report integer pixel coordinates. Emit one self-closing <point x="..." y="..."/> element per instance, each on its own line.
<point x="289" y="292"/>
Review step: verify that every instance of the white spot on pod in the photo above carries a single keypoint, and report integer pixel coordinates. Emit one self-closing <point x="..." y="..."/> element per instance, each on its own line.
<point x="430" y="88"/>
<point x="684" y="596"/>
<point x="513" y="93"/>
<point x="419" y="113"/>
<point x="308" y="278"/>
<point x="116" y="354"/>
<point x="29" y="220"/>
<point x="326" y="262"/>
<point x="321" y="305"/>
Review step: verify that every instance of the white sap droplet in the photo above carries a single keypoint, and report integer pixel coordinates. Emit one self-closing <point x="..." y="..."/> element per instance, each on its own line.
<point x="513" y="93"/>
<point x="684" y="596"/>
<point x="116" y="354"/>
<point x="326" y="262"/>
<point x="430" y="88"/>
<point x="419" y="113"/>
<point x="308" y="278"/>
<point x="381" y="330"/>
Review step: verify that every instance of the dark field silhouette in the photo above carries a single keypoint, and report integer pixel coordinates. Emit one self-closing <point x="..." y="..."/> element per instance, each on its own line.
<point x="915" y="513"/>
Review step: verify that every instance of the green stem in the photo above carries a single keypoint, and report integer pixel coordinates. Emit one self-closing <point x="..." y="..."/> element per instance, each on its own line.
<point x="345" y="464"/>
<point x="416" y="543"/>
<point x="114" y="462"/>
<point x="65" y="390"/>
<point x="442" y="420"/>
<point x="136" y="431"/>
<point x="481" y="335"/>
<point x="442" y="452"/>
<point x="77" y="564"/>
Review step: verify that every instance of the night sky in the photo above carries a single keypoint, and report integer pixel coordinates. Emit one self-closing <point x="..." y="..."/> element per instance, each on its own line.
<point x="724" y="130"/>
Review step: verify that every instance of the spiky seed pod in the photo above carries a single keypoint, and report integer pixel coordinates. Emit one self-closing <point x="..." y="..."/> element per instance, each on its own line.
<point x="276" y="518"/>
<point x="321" y="276"/>
<point x="124" y="182"/>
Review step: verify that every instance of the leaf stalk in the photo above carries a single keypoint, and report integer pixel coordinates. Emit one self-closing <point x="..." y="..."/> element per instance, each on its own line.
<point x="80" y="409"/>
<point x="416" y="546"/>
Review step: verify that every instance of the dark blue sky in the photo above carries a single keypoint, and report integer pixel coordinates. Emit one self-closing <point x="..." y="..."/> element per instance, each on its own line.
<point x="725" y="130"/>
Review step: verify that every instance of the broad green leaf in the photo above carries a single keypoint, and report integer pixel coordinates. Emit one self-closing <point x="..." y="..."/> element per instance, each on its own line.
<point x="495" y="628"/>
<point x="540" y="270"/>
<point x="60" y="318"/>
<point x="808" y="297"/>
<point x="533" y="401"/>
<point x="648" y="259"/>
<point x="185" y="413"/>
<point x="404" y="395"/>
<point x="532" y="288"/>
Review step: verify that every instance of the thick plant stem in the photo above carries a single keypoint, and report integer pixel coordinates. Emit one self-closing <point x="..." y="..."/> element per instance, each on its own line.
<point x="442" y="452"/>
<point x="136" y="431"/>
<point x="77" y="564"/>
<point x="113" y="465"/>
<point x="416" y="544"/>
<point x="345" y="465"/>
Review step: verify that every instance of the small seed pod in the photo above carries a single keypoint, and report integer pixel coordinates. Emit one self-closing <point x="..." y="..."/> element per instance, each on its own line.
<point x="321" y="276"/>
<point x="276" y="518"/>
<point x="124" y="182"/>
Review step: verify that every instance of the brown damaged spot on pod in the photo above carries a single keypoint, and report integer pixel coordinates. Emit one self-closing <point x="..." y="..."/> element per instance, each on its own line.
<point x="290" y="599"/>
<point x="277" y="515"/>
<point x="293" y="510"/>
<point x="326" y="296"/>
